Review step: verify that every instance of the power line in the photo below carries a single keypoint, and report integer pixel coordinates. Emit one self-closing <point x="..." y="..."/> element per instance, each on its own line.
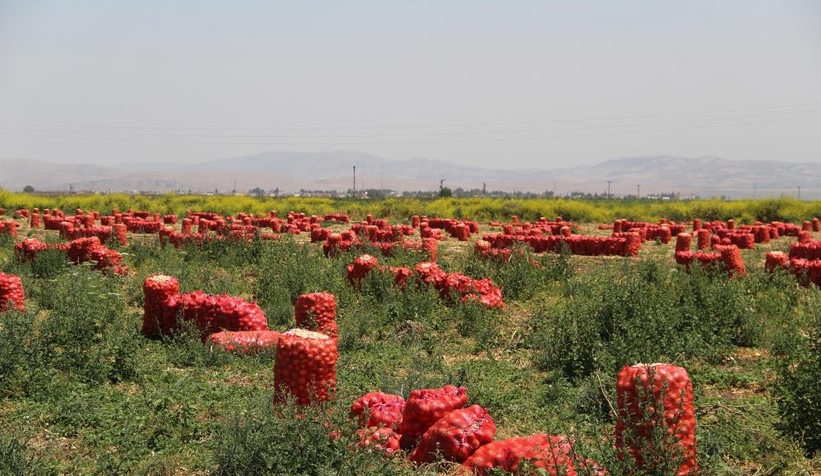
<point x="163" y="134"/>
<point x="416" y="126"/>
<point x="459" y="140"/>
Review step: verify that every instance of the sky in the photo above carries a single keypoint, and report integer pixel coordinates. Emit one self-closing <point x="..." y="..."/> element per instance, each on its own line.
<point x="504" y="84"/>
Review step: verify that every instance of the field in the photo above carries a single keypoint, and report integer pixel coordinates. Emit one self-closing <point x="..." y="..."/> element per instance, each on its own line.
<point x="83" y="391"/>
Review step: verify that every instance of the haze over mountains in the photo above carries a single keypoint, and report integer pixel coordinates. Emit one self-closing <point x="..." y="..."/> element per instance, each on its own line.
<point x="292" y="171"/>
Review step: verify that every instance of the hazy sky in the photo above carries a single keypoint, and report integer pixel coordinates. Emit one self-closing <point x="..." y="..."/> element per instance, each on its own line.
<point x="493" y="83"/>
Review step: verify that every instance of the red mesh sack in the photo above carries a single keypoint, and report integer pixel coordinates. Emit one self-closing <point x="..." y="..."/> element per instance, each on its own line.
<point x="431" y="246"/>
<point x="703" y="238"/>
<point x="731" y="257"/>
<point x="456" y="435"/>
<point x="236" y="314"/>
<point x="655" y="395"/>
<point x="664" y="234"/>
<point x="245" y="342"/>
<point x="382" y="439"/>
<point x="633" y="244"/>
<point x="197" y="307"/>
<point x="426" y="406"/>
<point x="462" y="232"/>
<point x="317" y="312"/>
<point x="482" y="247"/>
<point x="11" y="293"/>
<point x="683" y="241"/>
<point x="766" y="233"/>
<point x="553" y="454"/>
<point x="107" y="260"/>
<point x="8" y="228"/>
<point x="804" y="236"/>
<point x="776" y="259"/>
<point x="120" y="234"/>
<point x="377" y="409"/>
<point x="360" y="268"/>
<point x="158" y="315"/>
<point x="27" y="249"/>
<point x="305" y="367"/>
<point x="747" y="241"/>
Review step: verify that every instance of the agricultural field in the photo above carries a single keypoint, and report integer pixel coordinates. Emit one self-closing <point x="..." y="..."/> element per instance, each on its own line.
<point x="522" y="318"/>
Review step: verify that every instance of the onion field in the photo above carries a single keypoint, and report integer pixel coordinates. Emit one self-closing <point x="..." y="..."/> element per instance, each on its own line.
<point x="183" y="335"/>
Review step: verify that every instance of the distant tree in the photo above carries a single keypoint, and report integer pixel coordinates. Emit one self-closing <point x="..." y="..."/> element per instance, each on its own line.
<point x="375" y="193"/>
<point x="257" y="192"/>
<point x="445" y="192"/>
<point x="28" y="189"/>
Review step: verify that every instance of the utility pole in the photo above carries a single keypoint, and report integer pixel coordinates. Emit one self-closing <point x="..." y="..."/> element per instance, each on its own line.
<point x="608" y="188"/>
<point x="638" y="191"/>
<point x="354" y="179"/>
<point x="441" y="184"/>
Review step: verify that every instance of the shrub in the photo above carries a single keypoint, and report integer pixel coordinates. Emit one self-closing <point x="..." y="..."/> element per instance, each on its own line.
<point x="798" y="387"/>
<point x="639" y="313"/>
<point x="49" y="263"/>
<point x="523" y="274"/>
<point x="88" y="332"/>
<point x="14" y="459"/>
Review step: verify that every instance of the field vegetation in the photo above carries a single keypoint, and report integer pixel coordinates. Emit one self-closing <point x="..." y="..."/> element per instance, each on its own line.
<point x="400" y="209"/>
<point x="82" y="391"/>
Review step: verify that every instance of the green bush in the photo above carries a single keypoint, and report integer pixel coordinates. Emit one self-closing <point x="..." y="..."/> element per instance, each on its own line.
<point x="87" y="331"/>
<point x="523" y="275"/>
<point x="15" y="459"/>
<point x="799" y="388"/>
<point x="24" y="359"/>
<point x="639" y="312"/>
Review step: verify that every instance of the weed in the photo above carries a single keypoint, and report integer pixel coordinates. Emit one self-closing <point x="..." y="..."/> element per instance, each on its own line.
<point x="798" y="387"/>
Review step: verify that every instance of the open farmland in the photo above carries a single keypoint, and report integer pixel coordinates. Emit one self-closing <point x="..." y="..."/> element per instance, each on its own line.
<point x="533" y="306"/>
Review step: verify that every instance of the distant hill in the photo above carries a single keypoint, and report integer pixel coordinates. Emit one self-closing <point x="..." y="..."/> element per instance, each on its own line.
<point x="292" y="171"/>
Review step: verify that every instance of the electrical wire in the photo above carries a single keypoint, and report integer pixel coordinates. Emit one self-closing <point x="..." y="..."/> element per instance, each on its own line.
<point x="417" y="126"/>
<point x="596" y="131"/>
<point x="44" y="129"/>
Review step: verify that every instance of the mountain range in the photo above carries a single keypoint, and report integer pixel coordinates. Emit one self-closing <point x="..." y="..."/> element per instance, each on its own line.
<point x="292" y="171"/>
